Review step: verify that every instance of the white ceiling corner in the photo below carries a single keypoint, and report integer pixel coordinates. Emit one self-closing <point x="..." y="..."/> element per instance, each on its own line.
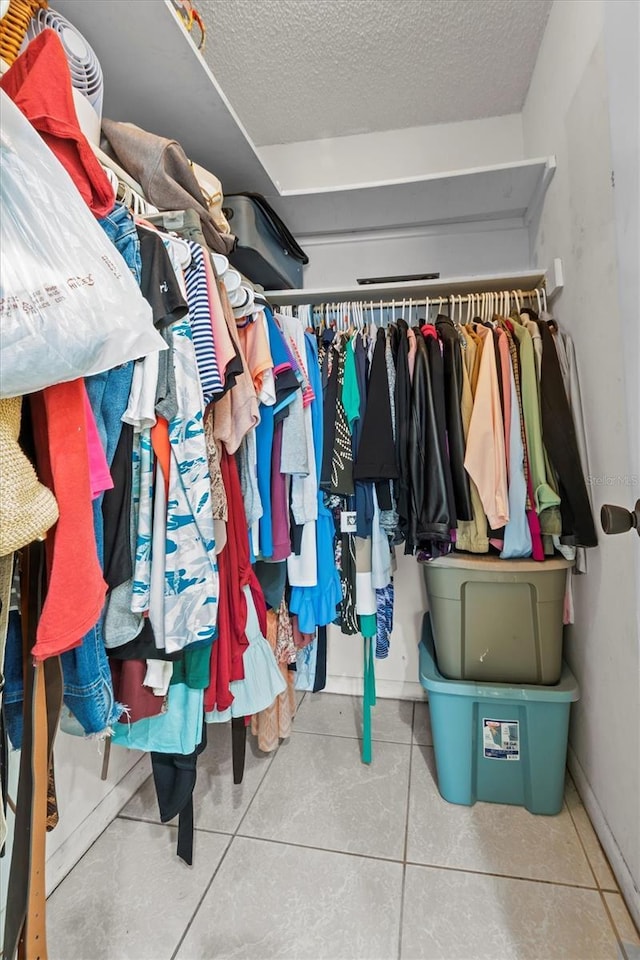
<point x="308" y="69"/>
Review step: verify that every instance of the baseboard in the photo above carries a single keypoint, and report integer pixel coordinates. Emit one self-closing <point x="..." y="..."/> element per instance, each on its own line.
<point x="385" y="689"/>
<point x="629" y="891"/>
<point x="64" y="859"/>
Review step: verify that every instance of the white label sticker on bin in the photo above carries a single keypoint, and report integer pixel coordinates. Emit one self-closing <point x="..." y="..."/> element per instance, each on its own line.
<point x="501" y="739"/>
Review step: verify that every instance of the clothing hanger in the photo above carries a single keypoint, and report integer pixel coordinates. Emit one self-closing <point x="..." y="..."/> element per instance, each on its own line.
<point x="539" y="301"/>
<point x="112" y="178"/>
<point x="516" y="299"/>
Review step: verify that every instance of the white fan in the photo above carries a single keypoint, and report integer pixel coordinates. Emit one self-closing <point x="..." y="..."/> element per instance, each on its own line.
<point x="84" y="66"/>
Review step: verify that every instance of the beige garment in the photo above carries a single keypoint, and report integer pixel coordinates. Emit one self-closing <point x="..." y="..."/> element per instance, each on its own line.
<point x="27" y="508"/>
<point x="275" y="723"/>
<point x="473" y="374"/>
<point x="165" y="174"/>
<point x="485" y="459"/>
<point x="469" y="354"/>
<point x="536" y="337"/>
<point x="471" y="535"/>
<point x="218" y="493"/>
<point x="237" y="411"/>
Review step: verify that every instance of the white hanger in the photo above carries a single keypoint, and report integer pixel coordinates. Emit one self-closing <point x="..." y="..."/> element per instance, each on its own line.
<point x="539" y="301"/>
<point x="516" y="298"/>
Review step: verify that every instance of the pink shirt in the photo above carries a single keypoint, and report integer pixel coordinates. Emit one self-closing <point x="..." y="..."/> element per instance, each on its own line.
<point x="485" y="459"/>
<point x="505" y="366"/>
<point x="99" y="474"/>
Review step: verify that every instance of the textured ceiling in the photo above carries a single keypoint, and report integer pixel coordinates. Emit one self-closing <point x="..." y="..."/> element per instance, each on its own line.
<point x="306" y="69"/>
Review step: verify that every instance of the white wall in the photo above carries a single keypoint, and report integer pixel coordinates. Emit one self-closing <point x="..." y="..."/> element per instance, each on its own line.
<point x="86" y="804"/>
<point x="567" y="113"/>
<point x="394" y="154"/>
<point x="396" y="676"/>
<point x="453" y="251"/>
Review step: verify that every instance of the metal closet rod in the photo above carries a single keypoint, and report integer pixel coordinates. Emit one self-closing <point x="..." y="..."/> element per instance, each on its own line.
<point x="441" y="299"/>
<point x="537" y="293"/>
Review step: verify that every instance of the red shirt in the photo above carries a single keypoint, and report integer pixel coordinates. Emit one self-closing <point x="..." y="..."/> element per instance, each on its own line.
<point x="39" y="83"/>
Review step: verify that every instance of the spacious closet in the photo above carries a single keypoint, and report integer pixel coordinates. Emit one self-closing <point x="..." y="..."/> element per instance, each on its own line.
<point x="271" y="519"/>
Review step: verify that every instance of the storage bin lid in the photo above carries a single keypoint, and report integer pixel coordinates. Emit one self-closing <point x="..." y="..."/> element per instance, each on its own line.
<point x="433" y="681"/>
<point x="493" y="564"/>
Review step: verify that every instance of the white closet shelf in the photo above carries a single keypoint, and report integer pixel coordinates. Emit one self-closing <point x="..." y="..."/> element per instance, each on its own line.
<point x="500" y="192"/>
<point x="156" y="78"/>
<point x="416" y="290"/>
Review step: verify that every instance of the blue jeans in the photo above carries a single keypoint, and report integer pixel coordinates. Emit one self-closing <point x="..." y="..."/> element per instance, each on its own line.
<point x="88" y="688"/>
<point x="13" y="680"/>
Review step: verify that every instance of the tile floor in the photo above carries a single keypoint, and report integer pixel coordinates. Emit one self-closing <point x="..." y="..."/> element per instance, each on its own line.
<point x="316" y="856"/>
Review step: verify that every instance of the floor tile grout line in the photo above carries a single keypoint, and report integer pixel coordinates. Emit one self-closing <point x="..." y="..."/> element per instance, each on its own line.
<point x="503" y="876"/>
<point x="157" y="823"/>
<point x="307" y="846"/>
<point x="584" y="846"/>
<point x="600" y="890"/>
<point x="406" y="822"/>
<point x="202" y="898"/>
<point x="344" y="736"/>
<point x="416" y="863"/>
<point x="270" y="757"/>
<point x="614" y="927"/>
<point x="255" y="792"/>
<point x="232" y="837"/>
<point x="406" y="836"/>
<point x="401" y="923"/>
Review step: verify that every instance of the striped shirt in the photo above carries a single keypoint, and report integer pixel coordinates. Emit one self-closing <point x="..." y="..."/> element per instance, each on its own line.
<point x="201" y="327"/>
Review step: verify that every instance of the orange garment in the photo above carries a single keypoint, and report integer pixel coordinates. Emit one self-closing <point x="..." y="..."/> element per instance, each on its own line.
<point x="276" y="722"/>
<point x="76" y="588"/>
<point x="162" y="448"/>
<point x="505" y="367"/>
<point x="485" y="459"/>
<point x="254" y="343"/>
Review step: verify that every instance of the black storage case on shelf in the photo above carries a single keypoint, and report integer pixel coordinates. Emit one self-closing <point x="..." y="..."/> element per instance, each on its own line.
<point x="266" y="252"/>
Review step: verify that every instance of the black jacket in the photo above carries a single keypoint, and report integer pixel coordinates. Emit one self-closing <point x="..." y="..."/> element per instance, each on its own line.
<point x="430" y="515"/>
<point x="376" y="452"/>
<point x="559" y="437"/>
<point x="453" y="361"/>
<point x="403" y="421"/>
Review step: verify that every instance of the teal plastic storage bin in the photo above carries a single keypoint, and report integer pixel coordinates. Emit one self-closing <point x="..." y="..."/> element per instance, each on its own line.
<point x="497" y="742"/>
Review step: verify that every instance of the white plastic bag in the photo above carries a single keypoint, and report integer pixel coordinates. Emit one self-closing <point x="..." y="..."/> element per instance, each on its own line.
<point x="69" y="305"/>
